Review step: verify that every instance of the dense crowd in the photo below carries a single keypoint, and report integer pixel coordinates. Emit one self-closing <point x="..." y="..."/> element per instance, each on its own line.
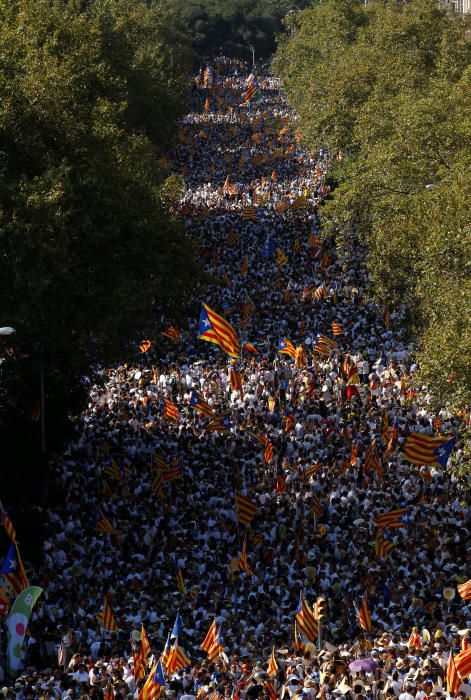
<point x="273" y="277"/>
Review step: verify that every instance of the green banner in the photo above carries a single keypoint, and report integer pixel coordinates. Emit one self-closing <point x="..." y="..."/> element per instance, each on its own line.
<point x="17" y="624"/>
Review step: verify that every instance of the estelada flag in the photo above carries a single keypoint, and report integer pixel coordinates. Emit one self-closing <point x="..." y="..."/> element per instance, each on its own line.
<point x="215" y="329"/>
<point x="199" y="404"/>
<point x="286" y="347"/>
<point x="428" y="449"/>
<point x="393" y="518"/>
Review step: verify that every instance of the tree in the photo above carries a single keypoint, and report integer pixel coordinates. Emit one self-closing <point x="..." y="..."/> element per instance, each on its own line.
<point x="388" y="84"/>
<point x="91" y="96"/>
<point x="233" y="26"/>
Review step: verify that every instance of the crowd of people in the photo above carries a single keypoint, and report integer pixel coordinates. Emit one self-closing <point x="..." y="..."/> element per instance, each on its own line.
<point x="296" y="440"/>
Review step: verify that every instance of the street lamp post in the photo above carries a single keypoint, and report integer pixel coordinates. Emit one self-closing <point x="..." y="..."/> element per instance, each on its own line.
<point x="252" y="48"/>
<point x="43" y="405"/>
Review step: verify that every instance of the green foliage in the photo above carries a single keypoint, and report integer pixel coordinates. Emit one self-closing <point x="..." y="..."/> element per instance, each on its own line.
<point x="389" y="84"/>
<point x="172" y="188"/>
<point x="89" y="97"/>
<point x="233" y="26"/>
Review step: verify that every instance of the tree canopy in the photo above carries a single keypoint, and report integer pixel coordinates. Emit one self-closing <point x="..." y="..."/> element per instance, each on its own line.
<point x="385" y="86"/>
<point x="232" y="27"/>
<point x="91" y="94"/>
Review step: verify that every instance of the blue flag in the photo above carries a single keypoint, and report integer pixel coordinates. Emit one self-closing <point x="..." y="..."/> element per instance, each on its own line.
<point x="159" y="674"/>
<point x="178" y="626"/>
<point x="205" y="323"/>
<point x="444" y="451"/>
<point x="10" y="565"/>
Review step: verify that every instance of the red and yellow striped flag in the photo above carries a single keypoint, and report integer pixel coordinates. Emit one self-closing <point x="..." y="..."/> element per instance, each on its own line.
<point x="281" y="207"/>
<point x="311" y="471"/>
<point x="305" y="620"/>
<point x="215" y="329"/>
<point x="104" y="525"/>
<point x="316" y="508"/>
<point x="268" y="451"/>
<point x="139" y="670"/>
<point x="180" y="581"/>
<point x="232" y="237"/>
<point x="372" y="461"/>
<point x="177" y="659"/>
<point x="385" y="427"/>
<point x="172" y="334"/>
<point x="146" y="648"/>
<point x="272" y="665"/>
<point x="243" y="561"/>
<point x="245" y="509"/>
<point x="109" y="693"/>
<point x="393" y="518"/>
<point x="249" y="213"/>
<point x="235" y="380"/>
<point x="364" y="614"/>
<point x="300" y="359"/>
<point x="453" y="681"/>
<point x="463" y="663"/>
<point x="210" y="638"/>
<point x="106" y="617"/>
<point x="152" y="688"/>
<point x="170" y="411"/>
<point x="286" y="347"/>
<point x="464" y="589"/>
<point x="421" y="449"/>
